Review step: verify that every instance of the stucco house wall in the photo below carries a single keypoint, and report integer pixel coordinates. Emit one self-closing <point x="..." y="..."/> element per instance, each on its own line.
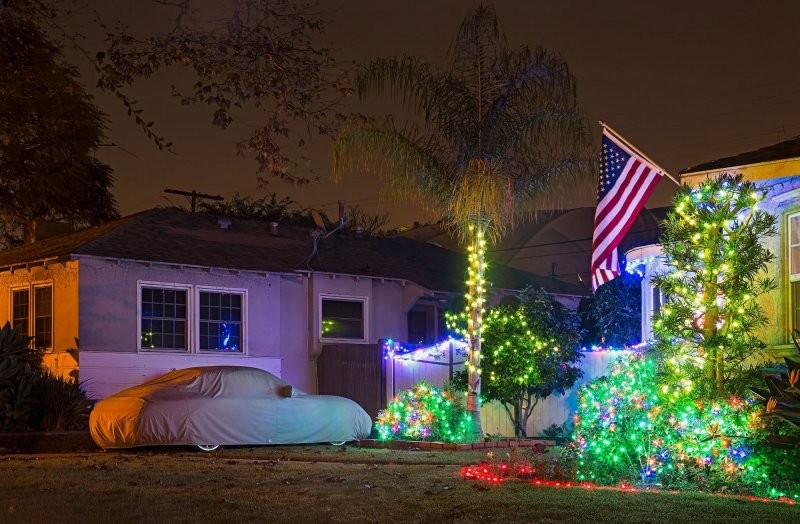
<point x="63" y="278"/>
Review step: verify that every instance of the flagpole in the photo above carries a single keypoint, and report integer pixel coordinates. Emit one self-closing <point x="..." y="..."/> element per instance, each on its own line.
<point x="603" y="124"/>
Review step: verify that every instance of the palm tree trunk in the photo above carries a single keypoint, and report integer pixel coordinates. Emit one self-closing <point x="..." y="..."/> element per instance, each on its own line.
<point x="475" y="301"/>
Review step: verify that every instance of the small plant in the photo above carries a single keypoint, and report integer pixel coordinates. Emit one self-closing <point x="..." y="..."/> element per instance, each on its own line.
<point x="424" y="412"/>
<point x="556" y="432"/>
<point x="62" y="404"/>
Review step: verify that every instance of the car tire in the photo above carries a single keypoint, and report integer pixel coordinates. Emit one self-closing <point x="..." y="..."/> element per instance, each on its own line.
<point x="207" y="447"/>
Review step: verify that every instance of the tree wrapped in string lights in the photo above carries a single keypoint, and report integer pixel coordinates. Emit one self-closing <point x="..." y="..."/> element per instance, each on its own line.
<point x="678" y="416"/>
<point x="530" y="349"/>
<point x="712" y="240"/>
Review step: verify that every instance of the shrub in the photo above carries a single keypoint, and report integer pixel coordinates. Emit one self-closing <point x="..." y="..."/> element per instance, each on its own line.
<point x="633" y="427"/>
<point x="32" y="398"/>
<point x="424" y="412"/>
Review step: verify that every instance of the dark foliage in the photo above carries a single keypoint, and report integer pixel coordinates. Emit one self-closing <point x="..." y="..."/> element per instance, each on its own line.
<point x="49" y="132"/>
<point x="250" y="57"/>
<point x="613" y="316"/>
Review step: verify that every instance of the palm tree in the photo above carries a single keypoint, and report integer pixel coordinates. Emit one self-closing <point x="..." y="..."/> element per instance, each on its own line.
<point x="500" y="131"/>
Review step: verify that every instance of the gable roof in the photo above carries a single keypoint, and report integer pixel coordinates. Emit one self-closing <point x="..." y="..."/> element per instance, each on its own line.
<point x="196" y="239"/>
<point x="780" y="151"/>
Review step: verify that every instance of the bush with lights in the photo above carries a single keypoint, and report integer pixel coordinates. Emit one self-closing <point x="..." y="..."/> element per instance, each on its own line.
<point x="680" y="416"/>
<point x="424" y="412"/>
<point x="530" y="348"/>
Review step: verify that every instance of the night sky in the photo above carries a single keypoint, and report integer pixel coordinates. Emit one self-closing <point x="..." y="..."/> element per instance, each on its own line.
<point x="685" y="81"/>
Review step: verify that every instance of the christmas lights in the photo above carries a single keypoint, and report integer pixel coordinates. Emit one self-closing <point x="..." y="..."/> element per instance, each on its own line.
<point x="424" y="412"/>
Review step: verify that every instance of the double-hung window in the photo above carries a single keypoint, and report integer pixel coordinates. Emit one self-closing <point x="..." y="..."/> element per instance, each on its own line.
<point x="164" y="318"/>
<point x="794" y="268"/>
<point x="342" y="318"/>
<point x="178" y="317"/>
<point x="32" y="313"/>
<point x="220" y="321"/>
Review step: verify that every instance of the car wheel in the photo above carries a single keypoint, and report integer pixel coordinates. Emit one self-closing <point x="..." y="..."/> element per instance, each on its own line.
<point x="207" y="447"/>
<point x="339" y="443"/>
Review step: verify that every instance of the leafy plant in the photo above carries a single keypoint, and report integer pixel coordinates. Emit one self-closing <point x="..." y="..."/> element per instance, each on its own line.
<point x="61" y="403"/>
<point x="613" y="316"/>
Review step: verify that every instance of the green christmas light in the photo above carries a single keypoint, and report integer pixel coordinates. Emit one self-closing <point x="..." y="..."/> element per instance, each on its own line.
<point x="424" y="412"/>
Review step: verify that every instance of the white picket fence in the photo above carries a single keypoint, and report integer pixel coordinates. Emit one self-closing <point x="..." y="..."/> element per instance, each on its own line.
<point x="436" y="364"/>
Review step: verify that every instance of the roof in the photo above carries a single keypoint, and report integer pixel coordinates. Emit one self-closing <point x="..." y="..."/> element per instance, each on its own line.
<point x="780" y="151"/>
<point x="558" y="244"/>
<point x="174" y="236"/>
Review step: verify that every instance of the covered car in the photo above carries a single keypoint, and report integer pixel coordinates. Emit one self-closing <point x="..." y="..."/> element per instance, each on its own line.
<point x="223" y="405"/>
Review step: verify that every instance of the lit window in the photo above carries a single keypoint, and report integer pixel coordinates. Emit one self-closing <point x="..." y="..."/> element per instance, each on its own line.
<point x="163" y="318"/>
<point x="342" y="318"/>
<point x="220" y="321"/>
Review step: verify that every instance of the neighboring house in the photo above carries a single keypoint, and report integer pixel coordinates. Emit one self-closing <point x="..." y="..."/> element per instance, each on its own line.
<point x="776" y="168"/>
<point x="557" y="245"/>
<point x="165" y="289"/>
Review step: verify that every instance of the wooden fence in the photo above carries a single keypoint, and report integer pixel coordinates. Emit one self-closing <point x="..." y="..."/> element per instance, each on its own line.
<point x="435" y="364"/>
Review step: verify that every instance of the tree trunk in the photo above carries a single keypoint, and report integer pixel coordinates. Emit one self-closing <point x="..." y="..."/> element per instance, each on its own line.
<point x="709" y="330"/>
<point x="475" y="286"/>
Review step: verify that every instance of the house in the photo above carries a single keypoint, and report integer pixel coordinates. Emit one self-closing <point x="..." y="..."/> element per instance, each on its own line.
<point x="557" y="245"/>
<point x="163" y="289"/>
<point x="775" y="168"/>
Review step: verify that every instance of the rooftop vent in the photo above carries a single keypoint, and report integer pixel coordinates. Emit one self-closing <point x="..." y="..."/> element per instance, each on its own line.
<point x="273" y="228"/>
<point x="224" y="223"/>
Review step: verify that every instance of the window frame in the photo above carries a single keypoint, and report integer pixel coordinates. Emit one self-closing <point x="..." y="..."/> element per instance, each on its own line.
<point x="31" y="290"/>
<point x="189" y="309"/>
<point x="32" y="306"/>
<point x="345" y="298"/>
<point x="243" y="348"/>
<point x="792" y="278"/>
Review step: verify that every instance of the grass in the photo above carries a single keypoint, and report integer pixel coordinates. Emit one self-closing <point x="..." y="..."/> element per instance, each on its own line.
<point x="323" y="484"/>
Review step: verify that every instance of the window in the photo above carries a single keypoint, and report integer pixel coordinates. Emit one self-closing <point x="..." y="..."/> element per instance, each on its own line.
<point x="20" y="309"/>
<point x="794" y="268"/>
<point x="423" y="321"/>
<point x="343" y="318"/>
<point x="220" y="321"/>
<point x="43" y="316"/>
<point x="163" y="318"/>
<point x="34" y="318"/>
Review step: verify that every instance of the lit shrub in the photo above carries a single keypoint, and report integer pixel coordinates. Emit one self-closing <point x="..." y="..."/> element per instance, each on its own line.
<point x="424" y="412"/>
<point x="632" y="427"/>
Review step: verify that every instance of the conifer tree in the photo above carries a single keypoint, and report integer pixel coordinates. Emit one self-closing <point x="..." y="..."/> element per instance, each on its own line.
<point x="712" y="240"/>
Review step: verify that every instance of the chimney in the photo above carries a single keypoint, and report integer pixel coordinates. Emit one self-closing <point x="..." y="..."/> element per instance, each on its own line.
<point x="273" y="228"/>
<point x="41" y="229"/>
<point x="342" y="218"/>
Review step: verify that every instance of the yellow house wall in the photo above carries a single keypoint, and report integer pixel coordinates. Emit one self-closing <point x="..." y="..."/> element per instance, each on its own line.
<point x="63" y="276"/>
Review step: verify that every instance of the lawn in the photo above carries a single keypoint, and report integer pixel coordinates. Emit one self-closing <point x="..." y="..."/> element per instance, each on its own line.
<point x="323" y="484"/>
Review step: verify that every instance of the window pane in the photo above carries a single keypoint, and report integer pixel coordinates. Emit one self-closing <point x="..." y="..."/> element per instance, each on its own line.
<point x="163" y="318"/>
<point x="794" y="230"/>
<point x="43" y="316"/>
<point x="220" y="321"/>
<point x="795" y="305"/>
<point x="342" y="319"/>
<point x="20" y="310"/>
<point x="794" y="244"/>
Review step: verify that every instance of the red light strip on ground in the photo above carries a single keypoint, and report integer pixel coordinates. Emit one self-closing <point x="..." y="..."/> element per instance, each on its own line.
<point x="501" y="473"/>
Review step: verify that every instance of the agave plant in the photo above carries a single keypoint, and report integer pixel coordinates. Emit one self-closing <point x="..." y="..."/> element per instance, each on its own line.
<point x="781" y="399"/>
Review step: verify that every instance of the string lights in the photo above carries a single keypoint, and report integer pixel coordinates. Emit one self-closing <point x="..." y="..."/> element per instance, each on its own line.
<point x="424" y="412"/>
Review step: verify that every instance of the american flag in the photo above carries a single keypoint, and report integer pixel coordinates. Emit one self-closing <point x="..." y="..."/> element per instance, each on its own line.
<point x="626" y="181"/>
